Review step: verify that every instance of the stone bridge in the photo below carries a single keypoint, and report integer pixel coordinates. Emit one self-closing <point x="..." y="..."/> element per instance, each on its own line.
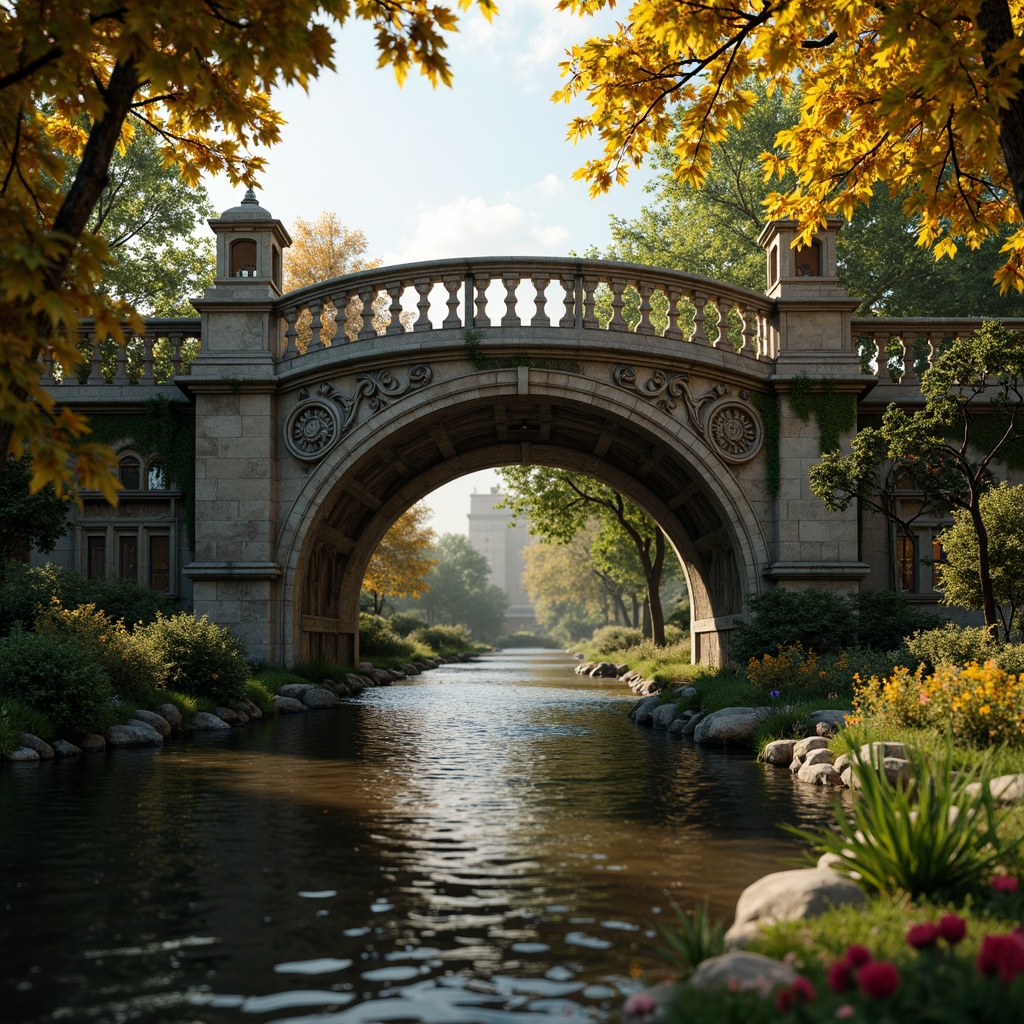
<point x="321" y="415"/>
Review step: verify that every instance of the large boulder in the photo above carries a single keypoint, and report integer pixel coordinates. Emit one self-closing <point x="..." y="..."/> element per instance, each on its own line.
<point x="643" y="710"/>
<point x="778" y="752"/>
<point x="133" y="734"/>
<point x="64" y="749"/>
<point x="172" y="716"/>
<point x="41" y="747"/>
<point x="295" y="690"/>
<point x="158" y="722"/>
<point x="790" y="896"/>
<point x="822" y="774"/>
<point x="729" y="727"/>
<point x="288" y="705"/>
<point x="740" y="971"/>
<point x="92" y="743"/>
<point x="22" y="754"/>
<point x="203" y="721"/>
<point x="662" y="717"/>
<point x="317" y="698"/>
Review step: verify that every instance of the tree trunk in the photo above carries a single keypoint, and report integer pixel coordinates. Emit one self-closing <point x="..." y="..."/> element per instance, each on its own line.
<point x="988" y="600"/>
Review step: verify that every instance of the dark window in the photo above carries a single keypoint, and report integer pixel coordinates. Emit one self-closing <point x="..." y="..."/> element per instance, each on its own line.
<point x="938" y="557"/>
<point x="128" y="557"/>
<point x="156" y="476"/>
<point x="160" y="563"/>
<point x="129" y="473"/>
<point x="243" y="258"/>
<point x="906" y="555"/>
<point x="97" y="550"/>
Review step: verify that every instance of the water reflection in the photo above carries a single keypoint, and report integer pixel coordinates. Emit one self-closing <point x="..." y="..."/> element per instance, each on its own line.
<point x="488" y="843"/>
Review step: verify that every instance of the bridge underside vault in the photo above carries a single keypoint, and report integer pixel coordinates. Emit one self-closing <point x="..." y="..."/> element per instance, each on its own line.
<point x="351" y="501"/>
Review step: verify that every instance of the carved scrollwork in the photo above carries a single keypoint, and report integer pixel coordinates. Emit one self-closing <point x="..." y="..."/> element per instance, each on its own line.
<point x="315" y="425"/>
<point x="731" y="426"/>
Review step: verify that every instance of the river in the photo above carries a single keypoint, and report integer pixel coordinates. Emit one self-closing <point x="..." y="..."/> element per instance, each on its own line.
<point x="488" y="843"/>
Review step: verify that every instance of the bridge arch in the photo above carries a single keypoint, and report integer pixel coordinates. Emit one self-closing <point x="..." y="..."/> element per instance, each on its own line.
<point x="392" y="460"/>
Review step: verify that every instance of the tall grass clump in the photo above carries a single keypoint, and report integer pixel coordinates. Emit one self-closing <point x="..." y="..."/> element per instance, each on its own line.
<point x="443" y="640"/>
<point x="378" y="639"/>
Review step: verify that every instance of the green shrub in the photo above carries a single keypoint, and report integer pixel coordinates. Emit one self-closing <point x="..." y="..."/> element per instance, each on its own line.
<point x="825" y="622"/>
<point x="404" y="623"/>
<point x="443" y="639"/>
<point x="523" y="638"/>
<point x="689" y="940"/>
<point x="261" y="696"/>
<point x="609" y="639"/>
<point x="58" y="676"/>
<point x="203" y="659"/>
<point x="131" y="661"/>
<point x="788" y="722"/>
<point x="16" y="718"/>
<point x="952" y="645"/>
<point x="378" y="639"/>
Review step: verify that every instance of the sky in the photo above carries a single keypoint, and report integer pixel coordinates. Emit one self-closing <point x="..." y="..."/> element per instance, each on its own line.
<point x="481" y="169"/>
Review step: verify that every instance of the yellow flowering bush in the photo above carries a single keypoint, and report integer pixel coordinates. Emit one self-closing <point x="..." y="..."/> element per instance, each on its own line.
<point x="796" y="673"/>
<point x="982" y="704"/>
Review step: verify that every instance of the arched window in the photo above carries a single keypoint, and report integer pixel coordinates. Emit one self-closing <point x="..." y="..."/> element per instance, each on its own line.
<point x="243" y="258"/>
<point x="156" y="476"/>
<point x="129" y="472"/>
<point x="808" y="260"/>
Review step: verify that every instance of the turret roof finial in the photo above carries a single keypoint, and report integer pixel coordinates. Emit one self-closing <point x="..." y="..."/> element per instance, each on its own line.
<point x="250" y="198"/>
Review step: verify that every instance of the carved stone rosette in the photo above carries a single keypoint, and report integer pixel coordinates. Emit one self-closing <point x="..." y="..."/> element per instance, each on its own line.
<point x="317" y="424"/>
<point x="731" y="426"/>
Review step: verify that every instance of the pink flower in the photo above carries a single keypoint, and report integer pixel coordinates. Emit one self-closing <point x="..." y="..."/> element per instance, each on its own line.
<point x="640" y="1004"/>
<point x="804" y="990"/>
<point x="1004" y="884"/>
<point x="785" y="1000"/>
<point x="1002" y="955"/>
<point x="921" y="936"/>
<point x="858" y="955"/>
<point x="952" y="928"/>
<point x="878" y="980"/>
<point x="845" y="1012"/>
<point x="839" y="975"/>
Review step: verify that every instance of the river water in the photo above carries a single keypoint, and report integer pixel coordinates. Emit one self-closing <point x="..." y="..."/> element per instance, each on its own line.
<point x="489" y="843"/>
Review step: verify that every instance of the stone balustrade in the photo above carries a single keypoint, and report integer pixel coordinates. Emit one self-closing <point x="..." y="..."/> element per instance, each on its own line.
<point x="164" y="350"/>
<point x="899" y="350"/>
<point x="525" y="292"/>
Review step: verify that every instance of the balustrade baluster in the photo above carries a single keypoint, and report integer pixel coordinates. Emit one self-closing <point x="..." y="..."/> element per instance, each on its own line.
<point x="699" y="336"/>
<point x="590" y="286"/>
<point x="423" y="286"/>
<point x="480" y="285"/>
<point x="148" y="341"/>
<point x="291" y="348"/>
<point x="452" y="284"/>
<point x="47" y="379"/>
<point x="511" y="317"/>
<point x="121" y="362"/>
<point x="645" y="291"/>
<point x="569" y="286"/>
<point x="618" y="289"/>
<point x="540" y="314"/>
<point x="748" y="319"/>
<point x="909" y="375"/>
<point x="934" y="342"/>
<point x="722" y="309"/>
<point x="96" y="362"/>
<point x="881" y="343"/>
<point x="175" y="342"/>
<point x="367" y="313"/>
<point x="315" y="325"/>
<point x="673" y="296"/>
<point x="395" y="292"/>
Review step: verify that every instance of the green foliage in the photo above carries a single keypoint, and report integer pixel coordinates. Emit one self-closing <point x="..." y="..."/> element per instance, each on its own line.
<point x="261" y="695"/>
<point x="826" y="622"/>
<point x="166" y="430"/>
<point x="934" y="837"/>
<point x="28" y="520"/>
<point x="131" y="661"/>
<point x="203" y="659"/>
<point x="770" y="410"/>
<point x="522" y="638"/>
<point x="404" y="623"/>
<point x="609" y="639"/>
<point x="835" y="414"/>
<point x="16" y="718"/>
<point x="58" y="676"/>
<point x="378" y="639"/>
<point x="690" y="939"/>
<point x="951" y="644"/>
<point x="443" y="639"/>
<point x="789" y="722"/>
<point x="1002" y="512"/>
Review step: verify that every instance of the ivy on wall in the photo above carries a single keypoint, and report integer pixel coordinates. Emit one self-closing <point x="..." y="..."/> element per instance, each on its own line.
<point x="165" y="429"/>
<point x="835" y="413"/>
<point x="771" y="418"/>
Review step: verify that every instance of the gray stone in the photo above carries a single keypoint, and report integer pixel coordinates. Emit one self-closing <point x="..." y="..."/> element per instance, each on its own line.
<point x="690" y="728"/>
<point x="41" y="747"/>
<point x="678" y="728"/>
<point x="22" y="754"/>
<point x="410" y="669"/>
<point x="228" y="715"/>
<point x="742" y="971"/>
<point x="342" y="690"/>
<point x="317" y="699"/>
<point x="819" y="775"/>
<point x="828" y="716"/>
<point x="352" y="680"/>
<point x="820" y="756"/>
<point x="778" y="752"/>
<point x="253" y="710"/>
<point x="826" y="729"/>
<point x="805" y="746"/>
<point x="158" y="722"/>
<point x="381" y="677"/>
<point x="64" y="749"/>
<point x="93" y="743"/>
<point x="365" y="666"/>
<point x="295" y="690"/>
<point x="1007" y="789"/>
<point x="842" y="762"/>
<point x="790" y="896"/>
<point x="203" y="721"/>
<point x="689" y="691"/>
<point x="729" y="727"/>
<point x="847" y="776"/>
<point x="133" y="734"/>
<point x="172" y="716"/>
<point x="872" y="752"/>
<point x="288" y="705"/>
<point x="662" y="717"/>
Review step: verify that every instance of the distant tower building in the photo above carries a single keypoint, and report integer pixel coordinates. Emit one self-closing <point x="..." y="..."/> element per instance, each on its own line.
<point x="503" y="547"/>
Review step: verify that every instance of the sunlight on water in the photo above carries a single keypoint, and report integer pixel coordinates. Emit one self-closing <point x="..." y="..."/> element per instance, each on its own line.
<point x="490" y="842"/>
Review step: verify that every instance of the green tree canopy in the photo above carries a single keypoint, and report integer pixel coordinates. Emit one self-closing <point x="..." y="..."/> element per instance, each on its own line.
<point x="28" y="520"/>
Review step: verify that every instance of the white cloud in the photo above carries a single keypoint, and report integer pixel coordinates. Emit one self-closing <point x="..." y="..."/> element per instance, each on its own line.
<point x="473" y="227"/>
<point x="550" y="185"/>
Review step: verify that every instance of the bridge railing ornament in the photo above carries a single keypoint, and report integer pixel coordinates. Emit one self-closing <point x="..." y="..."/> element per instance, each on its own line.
<point x="898" y="351"/>
<point x="164" y="350"/>
<point x="525" y="292"/>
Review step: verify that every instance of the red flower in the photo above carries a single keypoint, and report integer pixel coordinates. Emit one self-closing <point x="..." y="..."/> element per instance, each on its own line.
<point x="785" y="999"/>
<point x="804" y="990"/>
<point x="858" y="955"/>
<point x="878" y="980"/>
<point x="921" y="936"/>
<point x="952" y="928"/>
<point x="1002" y="955"/>
<point x="840" y="975"/>
<point x="1004" y="884"/>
